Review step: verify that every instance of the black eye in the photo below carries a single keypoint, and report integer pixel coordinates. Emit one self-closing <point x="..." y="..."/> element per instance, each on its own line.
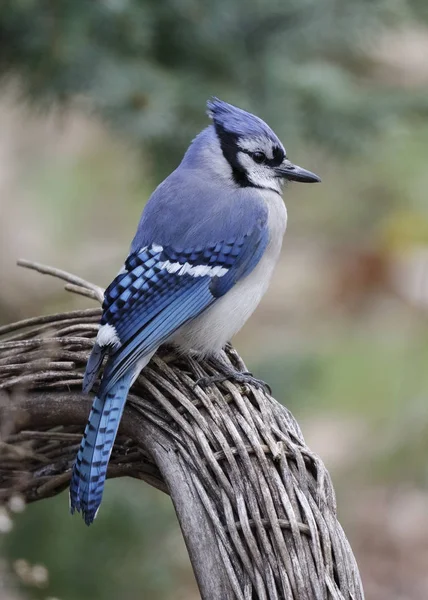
<point x="259" y="157"/>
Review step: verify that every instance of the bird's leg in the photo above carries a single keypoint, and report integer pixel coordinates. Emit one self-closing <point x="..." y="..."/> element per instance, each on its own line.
<point x="231" y="374"/>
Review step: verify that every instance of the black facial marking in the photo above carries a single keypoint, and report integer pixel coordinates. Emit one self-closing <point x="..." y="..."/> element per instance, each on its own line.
<point x="278" y="156"/>
<point x="261" y="158"/>
<point x="229" y="147"/>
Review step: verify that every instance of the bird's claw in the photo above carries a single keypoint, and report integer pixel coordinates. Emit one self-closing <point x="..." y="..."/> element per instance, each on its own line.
<point x="248" y="377"/>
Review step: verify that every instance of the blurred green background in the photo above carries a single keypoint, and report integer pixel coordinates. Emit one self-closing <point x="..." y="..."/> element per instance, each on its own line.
<point x="97" y="104"/>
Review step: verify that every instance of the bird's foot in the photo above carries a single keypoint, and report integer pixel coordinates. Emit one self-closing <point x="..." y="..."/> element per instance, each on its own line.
<point x="236" y="376"/>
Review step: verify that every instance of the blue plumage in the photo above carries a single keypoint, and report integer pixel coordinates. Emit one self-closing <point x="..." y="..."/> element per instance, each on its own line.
<point x="252" y="249"/>
<point x="179" y="306"/>
<point x="185" y="212"/>
<point x="200" y="261"/>
<point x="239" y="122"/>
<point x="159" y="290"/>
<point x="90" y="468"/>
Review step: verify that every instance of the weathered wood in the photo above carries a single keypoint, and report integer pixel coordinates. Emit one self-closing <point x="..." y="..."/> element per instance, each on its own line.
<point x="256" y="507"/>
<point x="64" y="409"/>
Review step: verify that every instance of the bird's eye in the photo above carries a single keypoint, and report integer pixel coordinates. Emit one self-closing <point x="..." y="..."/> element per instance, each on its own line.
<point x="259" y="157"/>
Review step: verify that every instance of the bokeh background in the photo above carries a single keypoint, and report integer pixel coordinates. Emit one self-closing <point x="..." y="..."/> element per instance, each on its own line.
<point x="98" y="101"/>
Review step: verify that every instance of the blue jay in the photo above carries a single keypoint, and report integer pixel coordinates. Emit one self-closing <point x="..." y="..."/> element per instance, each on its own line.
<point x="201" y="260"/>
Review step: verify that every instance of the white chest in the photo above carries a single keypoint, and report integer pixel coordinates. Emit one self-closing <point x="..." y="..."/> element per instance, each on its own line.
<point x="208" y="333"/>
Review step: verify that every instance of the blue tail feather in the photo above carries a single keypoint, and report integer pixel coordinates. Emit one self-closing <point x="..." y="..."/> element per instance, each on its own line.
<point x="90" y="467"/>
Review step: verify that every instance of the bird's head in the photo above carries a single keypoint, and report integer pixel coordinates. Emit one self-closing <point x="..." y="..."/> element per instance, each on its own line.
<point x="255" y="154"/>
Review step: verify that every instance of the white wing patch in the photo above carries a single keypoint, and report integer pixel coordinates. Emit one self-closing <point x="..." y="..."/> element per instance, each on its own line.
<point x="107" y="336"/>
<point x="193" y="270"/>
<point x="186" y="268"/>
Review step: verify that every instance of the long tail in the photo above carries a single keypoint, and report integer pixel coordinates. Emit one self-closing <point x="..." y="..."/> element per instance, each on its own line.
<point x="90" y="467"/>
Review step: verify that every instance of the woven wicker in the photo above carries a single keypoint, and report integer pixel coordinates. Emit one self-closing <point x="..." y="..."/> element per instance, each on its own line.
<point x="256" y="506"/>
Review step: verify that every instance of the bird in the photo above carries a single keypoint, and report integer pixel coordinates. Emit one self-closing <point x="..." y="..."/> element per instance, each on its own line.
<point x="203" y="255"/>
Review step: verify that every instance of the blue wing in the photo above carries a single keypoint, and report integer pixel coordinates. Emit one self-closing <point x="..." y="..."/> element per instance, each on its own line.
<point x="160" y="289"/>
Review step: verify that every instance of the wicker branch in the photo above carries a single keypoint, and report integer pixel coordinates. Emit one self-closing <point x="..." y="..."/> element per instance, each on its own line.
<point x="255" y="505"/>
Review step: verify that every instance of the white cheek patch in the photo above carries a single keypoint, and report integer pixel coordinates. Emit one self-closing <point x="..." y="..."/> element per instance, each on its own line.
<point x="107" y="336"/>
<point x="193" y="270"/>
<point x="261" y="176"/>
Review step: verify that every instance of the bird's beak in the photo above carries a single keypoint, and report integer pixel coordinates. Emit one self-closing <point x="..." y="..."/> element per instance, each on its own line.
<point x="294" y="173"/>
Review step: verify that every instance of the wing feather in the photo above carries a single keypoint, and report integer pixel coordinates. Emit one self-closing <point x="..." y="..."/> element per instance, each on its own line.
<point x="160" y="289"/>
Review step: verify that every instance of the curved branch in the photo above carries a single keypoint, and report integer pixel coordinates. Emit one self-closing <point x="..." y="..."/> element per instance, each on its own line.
<point x="75" y="284"/>
<point x="256" y="506"/>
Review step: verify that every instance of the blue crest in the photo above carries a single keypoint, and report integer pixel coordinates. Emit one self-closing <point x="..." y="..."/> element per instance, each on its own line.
<point x="237" y="121"/>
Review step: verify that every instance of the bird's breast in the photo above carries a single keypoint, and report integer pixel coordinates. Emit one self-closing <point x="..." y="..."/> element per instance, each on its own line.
<point x="208" y="333"/>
